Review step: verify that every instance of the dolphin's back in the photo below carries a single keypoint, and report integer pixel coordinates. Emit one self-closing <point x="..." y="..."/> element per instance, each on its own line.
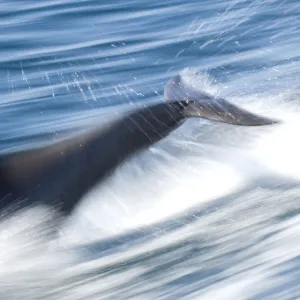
<point x="59" y="175"/>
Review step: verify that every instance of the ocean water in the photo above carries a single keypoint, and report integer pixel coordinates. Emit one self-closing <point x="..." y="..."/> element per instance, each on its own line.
<point x="210" y="212"/>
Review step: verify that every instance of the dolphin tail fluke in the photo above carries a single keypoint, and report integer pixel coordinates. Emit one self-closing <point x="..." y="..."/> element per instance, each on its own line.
<point x="223" y="111"/>
<point x="201" y="105"/>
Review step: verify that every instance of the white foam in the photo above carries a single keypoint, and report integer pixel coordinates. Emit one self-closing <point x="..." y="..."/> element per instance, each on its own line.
<point x="279" y="149"/>
<point x="134" y="197"/>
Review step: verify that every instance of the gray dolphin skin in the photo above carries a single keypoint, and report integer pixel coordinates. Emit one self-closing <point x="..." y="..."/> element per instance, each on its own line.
<point x="206" y="107"/>
<point x="59" y="175"/>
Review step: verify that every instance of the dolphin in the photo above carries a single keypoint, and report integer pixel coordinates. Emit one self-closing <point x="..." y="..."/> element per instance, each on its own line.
<point x="60" y="174"/>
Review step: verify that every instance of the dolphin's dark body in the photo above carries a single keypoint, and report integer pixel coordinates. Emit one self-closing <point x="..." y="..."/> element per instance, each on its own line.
<point x="59" y="175"/>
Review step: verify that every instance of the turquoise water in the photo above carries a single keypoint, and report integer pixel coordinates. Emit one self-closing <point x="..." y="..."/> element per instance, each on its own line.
<point x="209" y="213"/>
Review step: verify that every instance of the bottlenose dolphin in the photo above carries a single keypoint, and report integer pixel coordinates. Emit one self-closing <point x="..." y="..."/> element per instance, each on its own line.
<point x="59" y="175"/>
